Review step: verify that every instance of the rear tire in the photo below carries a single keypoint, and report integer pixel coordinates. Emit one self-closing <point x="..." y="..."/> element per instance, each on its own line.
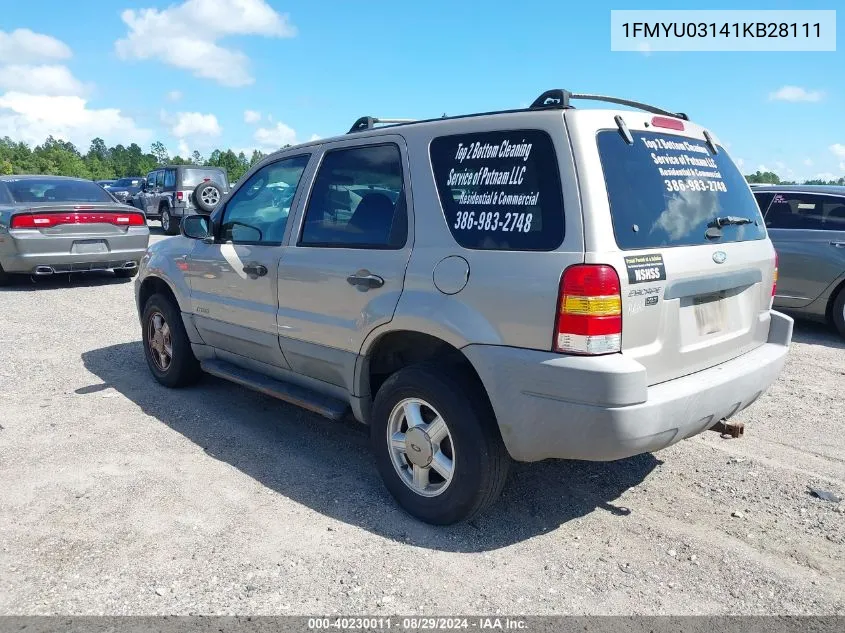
<point x="166" y="346"/>
<point x="5" y="278"/>
<point x="839" y="312"/>
<point x="169" y="225"/>
<point x="472" y="449"/>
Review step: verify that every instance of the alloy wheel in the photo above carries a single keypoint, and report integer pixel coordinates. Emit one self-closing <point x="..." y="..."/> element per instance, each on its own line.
<point x="159" y="341"/>
<point x="421" y="447"/>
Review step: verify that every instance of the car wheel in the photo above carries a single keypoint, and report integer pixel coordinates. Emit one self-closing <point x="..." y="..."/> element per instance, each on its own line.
<point x="437" y="445"/>
<point x="168" y="224"/>
<point x="839" y="312"/>
<point x="125" y="273"/>
<point x="166" y="345"/>
<point x="207" y="196"/>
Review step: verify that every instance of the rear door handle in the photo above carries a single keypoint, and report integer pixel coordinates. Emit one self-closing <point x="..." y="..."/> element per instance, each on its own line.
<point x="838" y="244"/>
<point x="365" y="280"/>
<point x="255" y="270"/>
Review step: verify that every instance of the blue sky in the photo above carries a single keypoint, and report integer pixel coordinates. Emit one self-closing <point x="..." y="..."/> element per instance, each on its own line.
<point x="185" y="72"/>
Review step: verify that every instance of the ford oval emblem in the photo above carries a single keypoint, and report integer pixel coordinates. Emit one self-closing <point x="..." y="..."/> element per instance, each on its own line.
<point x="719" y="257"/>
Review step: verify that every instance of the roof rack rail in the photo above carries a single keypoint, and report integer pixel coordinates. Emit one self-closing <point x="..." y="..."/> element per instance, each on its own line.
<point x="559" y="98"/>
<point x="369" y="122"/>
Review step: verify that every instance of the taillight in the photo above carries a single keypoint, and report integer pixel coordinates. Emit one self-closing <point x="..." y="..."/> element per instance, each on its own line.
<point x="775" y="277"/>
<point x="589" y="319"/>
<point x="180" y="195"/>
<point x="47" y="220"/>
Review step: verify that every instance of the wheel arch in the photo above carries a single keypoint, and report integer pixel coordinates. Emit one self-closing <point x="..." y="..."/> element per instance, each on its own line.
<point x="390" y="350"/>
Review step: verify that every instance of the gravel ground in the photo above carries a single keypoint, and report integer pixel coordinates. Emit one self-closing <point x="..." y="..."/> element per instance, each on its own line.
<point x="122" y="497"/>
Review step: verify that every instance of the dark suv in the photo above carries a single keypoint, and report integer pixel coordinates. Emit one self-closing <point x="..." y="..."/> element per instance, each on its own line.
<point x="126" y="189"/>
<point x="177" y="190"/>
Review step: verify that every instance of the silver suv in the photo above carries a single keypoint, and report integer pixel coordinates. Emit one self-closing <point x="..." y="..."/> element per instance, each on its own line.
<point x="530" y="284"/>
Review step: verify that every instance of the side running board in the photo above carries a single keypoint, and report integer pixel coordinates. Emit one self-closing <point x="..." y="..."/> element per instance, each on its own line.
<point x="326" y="406"/>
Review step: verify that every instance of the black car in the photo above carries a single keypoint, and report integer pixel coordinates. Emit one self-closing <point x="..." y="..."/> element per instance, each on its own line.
<point x="127" y="189"/>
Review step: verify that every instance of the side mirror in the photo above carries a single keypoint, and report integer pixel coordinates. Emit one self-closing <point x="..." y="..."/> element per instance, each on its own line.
<point x="197" y="227"/>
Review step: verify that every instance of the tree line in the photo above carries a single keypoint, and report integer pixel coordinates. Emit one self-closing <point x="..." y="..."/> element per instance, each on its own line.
<point x="100" y="162"/>
<point x="771" y="178"/>
<point x="62" y="158"/>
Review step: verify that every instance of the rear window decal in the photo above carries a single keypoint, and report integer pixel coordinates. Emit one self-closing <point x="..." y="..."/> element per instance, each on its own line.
<point x="645" y="268"/>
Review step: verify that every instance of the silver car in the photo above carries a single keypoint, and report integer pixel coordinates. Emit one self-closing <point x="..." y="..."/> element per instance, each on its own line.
<point x="807" y="226"/>
<point x="538" y="283"/>
<point x="52" y="224"/>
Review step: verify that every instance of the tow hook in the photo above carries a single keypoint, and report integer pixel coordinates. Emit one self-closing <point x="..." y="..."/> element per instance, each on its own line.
<point x="729" y="429"/>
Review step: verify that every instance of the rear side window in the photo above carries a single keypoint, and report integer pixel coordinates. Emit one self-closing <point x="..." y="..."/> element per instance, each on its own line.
<point x="5" y="198"/>
<point x="358" y="200"/>
<point x="806" y="211"/>
<point x="169" y="178"/>
<point x="44" y="190"/>
<point x="500" y="190"/>
<point x="668" y="190"/>
<point x="764" y="199"/>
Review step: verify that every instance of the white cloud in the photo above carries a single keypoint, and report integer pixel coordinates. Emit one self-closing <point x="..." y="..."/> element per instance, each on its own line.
<point x="795" y="93"/>
<point x="174" y="95"/>
<point x="826" y="175"/>
<point x="740" y="163"/>
<point x="251" y="116"/>
<point x="838" y="150"/>
<point x="195" y="124"/>
<point x="22" y="46"/>
<point x="314" y="137"/>
<point x="32" y="118"/>
<point x="200" y="24"/>
<point x="808" y="162"/>
<point x="47" y="80"/>
<point x="644" y="48"/>
<point x="276" y="137"/>
<point x="183" y="150"/>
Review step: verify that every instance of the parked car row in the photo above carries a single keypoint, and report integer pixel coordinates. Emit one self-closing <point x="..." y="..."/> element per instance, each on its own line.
<point x="521" y="285"/>
<point x="170" y="192"/>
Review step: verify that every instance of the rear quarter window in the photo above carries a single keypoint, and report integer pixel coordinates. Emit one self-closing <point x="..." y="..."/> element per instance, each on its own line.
<point x="668" y="190"/>
<point x="500" y="190"/>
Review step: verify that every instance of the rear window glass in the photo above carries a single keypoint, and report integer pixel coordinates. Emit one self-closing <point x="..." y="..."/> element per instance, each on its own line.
<point x="192" y="177"/>
<point x="500" y="190"/>
<point x="38" y="190"/>
<point x="668" y="190"/>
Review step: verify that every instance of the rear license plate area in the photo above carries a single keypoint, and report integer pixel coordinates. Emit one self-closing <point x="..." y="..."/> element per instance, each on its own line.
<point x="710" y="313"/>
<point x="89" y="247"/>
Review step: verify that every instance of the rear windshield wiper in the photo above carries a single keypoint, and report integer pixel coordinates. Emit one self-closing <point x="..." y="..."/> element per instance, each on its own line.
<point x="729" y="220"/>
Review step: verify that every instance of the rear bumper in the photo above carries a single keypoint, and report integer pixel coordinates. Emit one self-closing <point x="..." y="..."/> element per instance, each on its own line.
<point x="601" y="409"/>
<point x="28" y="251"/>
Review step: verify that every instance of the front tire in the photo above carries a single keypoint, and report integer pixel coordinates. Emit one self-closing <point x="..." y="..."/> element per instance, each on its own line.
<point x="166" y="346"/>
<point x="168" y="224"/>
<point x="436" y="444"/>
<point x="839" y="312"/>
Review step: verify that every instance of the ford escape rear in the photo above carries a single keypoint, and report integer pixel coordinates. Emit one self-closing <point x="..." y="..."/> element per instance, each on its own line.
<point x="529" y="284"/>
